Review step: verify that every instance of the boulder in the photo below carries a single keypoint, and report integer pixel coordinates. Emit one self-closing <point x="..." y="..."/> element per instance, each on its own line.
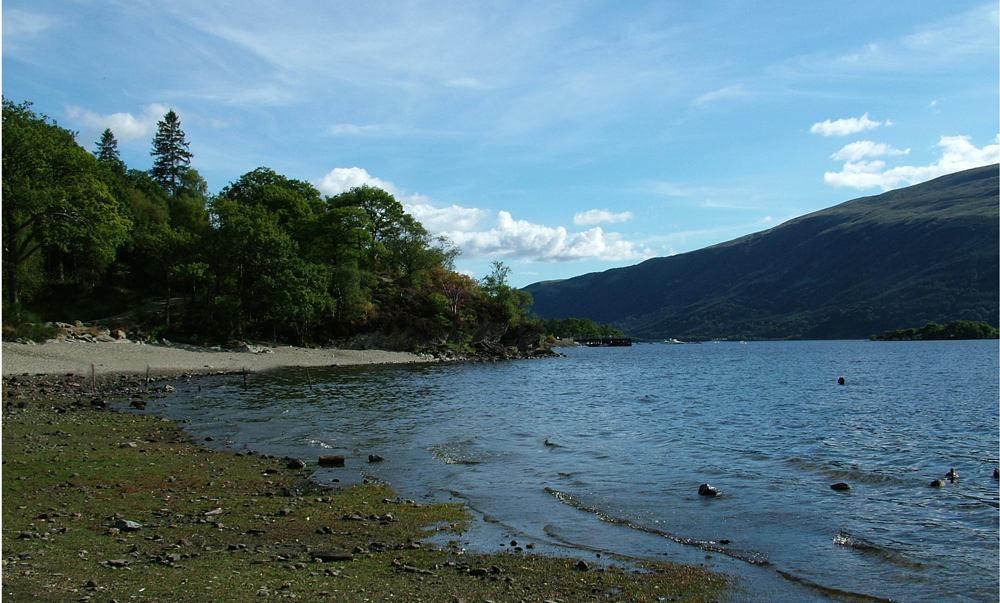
<point x="296" y="464"/>
<point x="938" y="483"/>
<point x="840" y="486"/>
<point x="706" y="490"/>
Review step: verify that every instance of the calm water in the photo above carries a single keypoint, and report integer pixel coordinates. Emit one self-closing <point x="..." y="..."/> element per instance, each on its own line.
<point x="604" y="451"/>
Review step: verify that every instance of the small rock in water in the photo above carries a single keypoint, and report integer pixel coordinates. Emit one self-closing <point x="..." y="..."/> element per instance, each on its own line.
<point x="938" y="483"/>
<point x="996" y="474"/>
<point x="706" y="490"/>
<point x="332" y="460"/>
<point x="840" y="486"/>
<point x="374" y="458"/>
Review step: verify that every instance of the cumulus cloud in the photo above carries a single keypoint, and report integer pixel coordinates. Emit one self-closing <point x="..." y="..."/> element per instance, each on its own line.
<point x="529" y="242"/>
<point x="340" y="180"/>
<point x="125" y="126"/>
<point x="958" y="154"/>
<point x="844" y="127"/>
<point x="508" y="238"/>
<point x="866" y="148"/>
<point x="601" y="216"/>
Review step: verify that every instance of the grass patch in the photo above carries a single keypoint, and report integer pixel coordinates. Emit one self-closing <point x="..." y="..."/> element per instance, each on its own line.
<point x="216" y="526"/>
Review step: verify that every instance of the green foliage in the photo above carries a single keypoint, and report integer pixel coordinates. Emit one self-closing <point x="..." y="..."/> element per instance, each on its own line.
<point x="171" y="153"/>
<point x="55" y="201"/>
<point x="958" y="329"/>
<point x="513" y="303"/>
<point x="578" y="327"/>
<point x="266" y="258"/>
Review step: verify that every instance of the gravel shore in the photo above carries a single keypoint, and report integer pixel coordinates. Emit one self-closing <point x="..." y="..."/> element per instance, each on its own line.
<point x="126" y="357"/>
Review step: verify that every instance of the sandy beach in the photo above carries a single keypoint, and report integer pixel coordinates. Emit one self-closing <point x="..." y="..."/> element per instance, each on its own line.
<point x="59" y="357"/>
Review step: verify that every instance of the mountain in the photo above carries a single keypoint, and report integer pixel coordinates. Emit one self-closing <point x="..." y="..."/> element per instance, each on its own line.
<point x="901" y="259"/>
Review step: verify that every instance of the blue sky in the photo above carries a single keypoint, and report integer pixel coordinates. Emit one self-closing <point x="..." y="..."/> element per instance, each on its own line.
<point x="560" y="138"/>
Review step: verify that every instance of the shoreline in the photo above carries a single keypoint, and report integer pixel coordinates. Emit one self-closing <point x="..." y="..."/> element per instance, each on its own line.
<point x="243" y="524"/>
<point x="62" y="357"/>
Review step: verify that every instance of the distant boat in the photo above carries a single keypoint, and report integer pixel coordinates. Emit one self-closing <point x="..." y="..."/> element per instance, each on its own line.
<point x="673" y="341"/>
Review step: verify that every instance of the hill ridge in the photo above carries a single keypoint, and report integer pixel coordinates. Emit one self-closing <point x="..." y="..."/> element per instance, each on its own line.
<point x="929" y="252"/>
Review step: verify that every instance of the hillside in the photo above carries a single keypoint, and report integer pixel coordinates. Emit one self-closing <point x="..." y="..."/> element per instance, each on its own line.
<point x="925" y="253"/>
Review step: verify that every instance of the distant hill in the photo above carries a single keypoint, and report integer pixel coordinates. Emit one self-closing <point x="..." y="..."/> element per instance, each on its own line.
<point x="929" y="252"/>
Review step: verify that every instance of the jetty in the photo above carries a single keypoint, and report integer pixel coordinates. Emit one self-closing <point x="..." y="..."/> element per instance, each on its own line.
<point x="596" y="342"/>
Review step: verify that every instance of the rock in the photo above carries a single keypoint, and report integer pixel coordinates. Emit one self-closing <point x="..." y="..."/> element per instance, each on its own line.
<point x="127" y="445"/>
<point x="118" y="562"/>
<point x="138" y="404"/>
<point x="332" y="460"/>
<point x="840" y="486"/>
<point x="706" y="490"/>
<point x="296" y="464"/>
<point x="374" y="458"/>
<point x="126" y="525"/>
<point x="582" y="565"/>
<point x="118" y="334"/>
<point x="996" y="474"/>
<point x="938" y="483"/>
<point x="209" y="439"/>
<point x="98" y="403"/>
<point x="329" y="556"/>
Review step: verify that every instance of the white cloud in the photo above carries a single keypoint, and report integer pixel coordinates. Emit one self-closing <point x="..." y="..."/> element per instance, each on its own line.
<point x="866" y="148"/>
<point x="125" y="126"/>
<point x="509" y="238"/>
<point x="957" y="154"/>
<point x="448" y="219"/>
<point x="601" y="216"/>
<point x="529" y="242"/>
<point x="843" y="127"/>
<point x="340" y="180"/>
<point x="728" y="92"/>
<point x="21" y="26"/>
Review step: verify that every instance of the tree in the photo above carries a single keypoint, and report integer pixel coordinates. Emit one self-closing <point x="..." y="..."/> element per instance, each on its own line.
<point x="513" y="303"/>
<point x="53" y="196"/>
<point x="107" y="152"/>
<point x="170" y="149"/>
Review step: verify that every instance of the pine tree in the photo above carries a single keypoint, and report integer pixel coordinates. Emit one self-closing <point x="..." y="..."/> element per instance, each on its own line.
<point x="172" y="157"/>
<point x="107" y="151"/>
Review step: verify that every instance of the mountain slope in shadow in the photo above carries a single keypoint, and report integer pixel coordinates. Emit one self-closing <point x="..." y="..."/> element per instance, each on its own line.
<point x="929" y="252"/>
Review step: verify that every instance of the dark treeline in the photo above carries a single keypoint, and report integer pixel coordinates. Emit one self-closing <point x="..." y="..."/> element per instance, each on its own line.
<point x="578" y="327"/>
<point x="267" y="258"/>
<point x="932" y="331"/>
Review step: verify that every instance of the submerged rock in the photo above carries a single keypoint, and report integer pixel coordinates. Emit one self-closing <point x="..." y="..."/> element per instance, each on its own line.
<point x="840" y="486"/>
<point x="938" y="483"/>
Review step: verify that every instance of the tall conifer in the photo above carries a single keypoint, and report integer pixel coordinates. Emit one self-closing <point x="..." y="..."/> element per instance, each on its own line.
<point x="170" y="149"/>
<point x="107" y="151"/>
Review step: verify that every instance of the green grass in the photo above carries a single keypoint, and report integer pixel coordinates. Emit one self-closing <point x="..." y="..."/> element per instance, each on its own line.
<point x="69" y="470"/>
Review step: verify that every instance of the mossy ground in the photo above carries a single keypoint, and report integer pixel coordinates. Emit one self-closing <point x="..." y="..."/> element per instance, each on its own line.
<point x="222" y="527"/>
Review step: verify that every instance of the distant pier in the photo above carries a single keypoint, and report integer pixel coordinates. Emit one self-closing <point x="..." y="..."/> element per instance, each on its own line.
<point x="596" y="342"/>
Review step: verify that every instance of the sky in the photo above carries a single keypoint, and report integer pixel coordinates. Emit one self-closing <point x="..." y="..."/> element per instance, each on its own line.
<point x="560" y="138"/>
